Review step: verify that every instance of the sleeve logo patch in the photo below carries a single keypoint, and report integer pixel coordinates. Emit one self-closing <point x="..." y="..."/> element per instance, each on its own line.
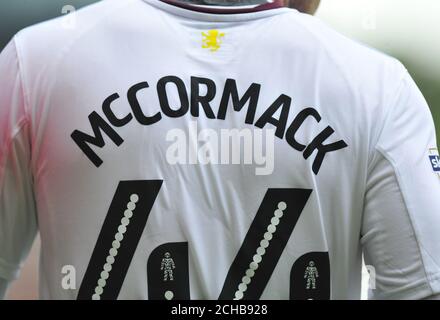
<point x="434" y="158"/>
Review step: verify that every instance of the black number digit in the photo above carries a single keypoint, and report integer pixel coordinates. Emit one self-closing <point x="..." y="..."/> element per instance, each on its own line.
<point x="118" y="239"/>
<point x="264" y="243"/>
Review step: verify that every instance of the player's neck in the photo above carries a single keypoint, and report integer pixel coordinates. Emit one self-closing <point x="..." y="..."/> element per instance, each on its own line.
<point x="225" y="3"/>
<point x="226" y="6"/>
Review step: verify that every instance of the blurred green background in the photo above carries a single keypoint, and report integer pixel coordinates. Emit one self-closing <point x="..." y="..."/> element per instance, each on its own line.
<point x="406" y="29"/>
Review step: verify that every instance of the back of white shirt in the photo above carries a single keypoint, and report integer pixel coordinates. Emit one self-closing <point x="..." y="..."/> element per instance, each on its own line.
<point x="166" y="153"/>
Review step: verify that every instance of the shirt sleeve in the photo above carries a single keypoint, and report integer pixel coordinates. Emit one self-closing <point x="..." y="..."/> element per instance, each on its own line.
<point x="401" y="220"/>
<point x="18" y="223"/>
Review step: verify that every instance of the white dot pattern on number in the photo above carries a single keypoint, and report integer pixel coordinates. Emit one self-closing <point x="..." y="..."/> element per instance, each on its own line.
<point x="113" y="252"/>
<point x="169" y="295"/>
<point x="261" y="250"/>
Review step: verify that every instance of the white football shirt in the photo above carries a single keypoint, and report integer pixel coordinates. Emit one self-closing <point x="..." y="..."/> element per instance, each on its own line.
<point x="168" y="153"/>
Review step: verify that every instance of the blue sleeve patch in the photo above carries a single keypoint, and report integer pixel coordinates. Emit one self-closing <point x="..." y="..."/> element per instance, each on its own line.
<point x="435" y="162"/>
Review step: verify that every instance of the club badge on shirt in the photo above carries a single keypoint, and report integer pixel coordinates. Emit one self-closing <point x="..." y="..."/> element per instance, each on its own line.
<point x="212" y="40"/>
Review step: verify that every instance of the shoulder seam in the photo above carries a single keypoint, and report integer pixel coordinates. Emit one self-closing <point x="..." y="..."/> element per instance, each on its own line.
<point x="22" y="77"/>
<point x="23" y="121"/>
<point x="65" y="48"/>
<point x="392" y="97"/>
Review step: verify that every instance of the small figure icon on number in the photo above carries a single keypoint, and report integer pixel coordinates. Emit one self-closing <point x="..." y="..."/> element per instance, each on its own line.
<point x="310" y="275"/>
<point x="167" y="266"/>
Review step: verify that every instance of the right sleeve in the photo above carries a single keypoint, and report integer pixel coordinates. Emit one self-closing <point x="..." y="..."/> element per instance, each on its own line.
<point x="18" y="223"/>
<point x="401" y="220"/>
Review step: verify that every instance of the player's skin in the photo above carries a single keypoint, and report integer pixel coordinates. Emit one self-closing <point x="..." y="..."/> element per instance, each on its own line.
<point x="306" y="6"/>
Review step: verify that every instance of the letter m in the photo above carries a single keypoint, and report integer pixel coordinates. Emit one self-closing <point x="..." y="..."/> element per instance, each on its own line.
<point x="84" y="140"/>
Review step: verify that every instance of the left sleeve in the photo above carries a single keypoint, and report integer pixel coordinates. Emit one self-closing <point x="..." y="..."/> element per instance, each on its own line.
<point x="401" y="220"/>
<point x="18" y="223"/>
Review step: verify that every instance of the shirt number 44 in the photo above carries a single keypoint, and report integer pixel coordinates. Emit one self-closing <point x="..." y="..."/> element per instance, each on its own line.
<point x="251" y="268"/>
